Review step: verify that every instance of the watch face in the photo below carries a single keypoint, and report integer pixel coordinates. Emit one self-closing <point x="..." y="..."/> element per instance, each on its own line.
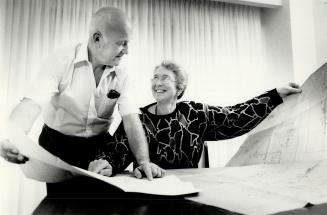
<point x="113" y="94"/>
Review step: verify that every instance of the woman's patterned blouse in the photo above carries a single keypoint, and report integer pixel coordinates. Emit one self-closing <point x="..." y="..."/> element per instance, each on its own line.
<point x="176" y="139"/>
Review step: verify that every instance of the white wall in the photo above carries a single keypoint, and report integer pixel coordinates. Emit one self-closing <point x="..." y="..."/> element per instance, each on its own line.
<point x="278" y="44"/>
<point x="320" y="27"/>
<point x="308" y="19"/>
<point x="303" y="38"/>
<point x="295" y="39"/>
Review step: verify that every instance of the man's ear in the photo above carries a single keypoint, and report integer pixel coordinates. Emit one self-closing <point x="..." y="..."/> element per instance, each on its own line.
<point x="97" y="37"/>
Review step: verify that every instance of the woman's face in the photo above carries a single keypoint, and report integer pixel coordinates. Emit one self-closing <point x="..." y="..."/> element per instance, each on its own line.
<point x="164" y="85"/>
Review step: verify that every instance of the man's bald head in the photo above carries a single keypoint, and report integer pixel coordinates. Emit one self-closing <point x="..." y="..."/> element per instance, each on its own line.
<point x="109" y="36"/>
<point x="109" y="20"/>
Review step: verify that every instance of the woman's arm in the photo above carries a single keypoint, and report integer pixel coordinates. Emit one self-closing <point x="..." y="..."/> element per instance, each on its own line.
<point x="232" y="121"/>
<point x="116" y="152"/>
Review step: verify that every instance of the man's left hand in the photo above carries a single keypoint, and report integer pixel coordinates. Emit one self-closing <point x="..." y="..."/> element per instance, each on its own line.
<point x="150" y="170"/>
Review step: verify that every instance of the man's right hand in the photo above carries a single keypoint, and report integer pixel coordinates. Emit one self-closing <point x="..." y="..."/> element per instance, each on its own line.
<point x="10" y="153"/>
<point x="150" y="170"/>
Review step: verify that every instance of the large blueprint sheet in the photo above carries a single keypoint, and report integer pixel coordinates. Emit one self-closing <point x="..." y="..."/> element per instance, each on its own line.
<point x="260" y="189"/>
<point x="294" y="131"/>
<point x="43" y="166"/>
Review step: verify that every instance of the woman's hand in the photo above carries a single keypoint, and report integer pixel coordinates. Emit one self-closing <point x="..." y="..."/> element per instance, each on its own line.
<point x="101" y="167"/>
<point x="289" y="89"/>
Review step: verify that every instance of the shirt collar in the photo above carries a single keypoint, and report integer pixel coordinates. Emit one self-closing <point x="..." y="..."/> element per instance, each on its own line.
<point x="115" y="71"/>
<point x="81" y="53"/>
<point x="108" y="71"/>
<point x="120" y="73"/>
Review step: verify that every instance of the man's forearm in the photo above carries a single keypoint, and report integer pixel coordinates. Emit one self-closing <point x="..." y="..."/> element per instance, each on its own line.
<point x="24" y="115"/>
<point x="136" y="138"/>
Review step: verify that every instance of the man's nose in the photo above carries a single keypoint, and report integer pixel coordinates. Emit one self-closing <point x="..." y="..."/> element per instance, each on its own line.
<point x="125" y="49"/>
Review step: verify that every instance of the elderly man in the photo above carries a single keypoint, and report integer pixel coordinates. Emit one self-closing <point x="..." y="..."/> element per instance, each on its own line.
<point x="78" y="89"/>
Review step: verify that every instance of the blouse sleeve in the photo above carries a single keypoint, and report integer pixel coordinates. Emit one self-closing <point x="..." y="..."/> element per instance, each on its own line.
<point x="116" y="151"/>
<point x="232" y="121"/>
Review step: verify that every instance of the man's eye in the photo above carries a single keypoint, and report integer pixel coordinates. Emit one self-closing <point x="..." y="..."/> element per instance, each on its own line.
<point x="122" y="43"/>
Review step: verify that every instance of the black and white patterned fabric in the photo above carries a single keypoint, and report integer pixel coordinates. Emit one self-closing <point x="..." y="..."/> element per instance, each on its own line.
<point x="176" y="139"/>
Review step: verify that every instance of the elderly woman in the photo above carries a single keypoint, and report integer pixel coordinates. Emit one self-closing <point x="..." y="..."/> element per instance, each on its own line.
<point x="176" y="131"/>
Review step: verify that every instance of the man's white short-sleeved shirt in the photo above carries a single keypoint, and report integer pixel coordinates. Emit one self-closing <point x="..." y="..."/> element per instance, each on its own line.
<point x="66" y="89"/>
